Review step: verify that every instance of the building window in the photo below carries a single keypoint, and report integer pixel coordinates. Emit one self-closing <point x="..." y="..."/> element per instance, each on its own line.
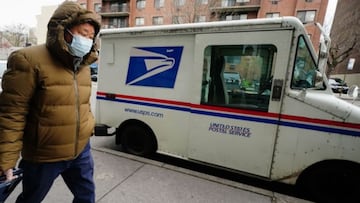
<point x="178" y="3"/>
<point x="140" y="4"/>
<point x="83" y="5"/>
<point x="204" y="2"/>
<point x="114" y="7"/>
<point x="242" y="1"/>
<point x="199" y="19"/>
<point x="139" y="21"/>
<point x="158" y="20"/>
<point x="309" y="1"/>
<point x="159" y="3"/>
<point x="275" y="2"/>
<point x="118" y="23"/>
<point x="272" y="15"/>
<point x="306" y="16"/>
<point x="236" y="17"/>
<point x="227" y="3"/>
<point x="178" y="20"/>
<point x="97" y="7"/>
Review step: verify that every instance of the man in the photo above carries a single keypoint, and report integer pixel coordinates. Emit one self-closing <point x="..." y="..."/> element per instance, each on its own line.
<point x="45" y="110"/>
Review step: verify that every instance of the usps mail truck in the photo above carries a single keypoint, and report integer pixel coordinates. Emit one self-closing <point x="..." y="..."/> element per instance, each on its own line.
<point x="248" y="96"/>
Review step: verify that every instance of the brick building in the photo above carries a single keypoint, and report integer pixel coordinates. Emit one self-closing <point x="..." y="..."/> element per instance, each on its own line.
<point x="345" y="31"/>
<point x="129" y="13"/>
<point x="308" y="11"/>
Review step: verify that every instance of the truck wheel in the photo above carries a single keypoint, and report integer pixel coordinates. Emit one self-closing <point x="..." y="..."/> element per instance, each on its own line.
<point x="337" y="181"/>
<point x="138" y="140"/>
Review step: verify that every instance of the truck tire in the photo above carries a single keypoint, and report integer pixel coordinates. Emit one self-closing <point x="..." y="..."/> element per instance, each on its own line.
<point x="138" y="140"/>
<point x="331" y="181"/>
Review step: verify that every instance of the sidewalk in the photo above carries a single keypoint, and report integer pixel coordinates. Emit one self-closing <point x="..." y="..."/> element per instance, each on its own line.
<point x="122" y="177"/>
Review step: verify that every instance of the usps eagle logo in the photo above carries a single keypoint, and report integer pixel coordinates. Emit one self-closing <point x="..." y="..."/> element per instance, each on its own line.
<point x="154" y="66"/>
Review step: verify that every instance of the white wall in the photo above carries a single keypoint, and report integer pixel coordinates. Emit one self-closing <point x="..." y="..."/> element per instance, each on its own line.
<point x="42" y="21"/>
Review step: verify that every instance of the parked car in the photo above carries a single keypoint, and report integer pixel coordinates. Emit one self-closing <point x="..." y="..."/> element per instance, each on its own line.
<point x="338" y="85"/>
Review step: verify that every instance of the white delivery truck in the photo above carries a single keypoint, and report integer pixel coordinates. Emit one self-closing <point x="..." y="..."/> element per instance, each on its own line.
<point x="244" y="95"/>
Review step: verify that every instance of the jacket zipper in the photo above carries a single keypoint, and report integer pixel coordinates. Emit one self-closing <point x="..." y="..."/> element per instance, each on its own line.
<point x="77" y="107"/>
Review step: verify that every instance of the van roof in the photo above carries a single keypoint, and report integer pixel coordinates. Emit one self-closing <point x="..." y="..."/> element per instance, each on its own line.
<point x="287" y="22"/>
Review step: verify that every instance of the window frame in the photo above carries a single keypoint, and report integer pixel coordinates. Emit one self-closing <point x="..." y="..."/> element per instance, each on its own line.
<point x="179" y="3"/>
<point x="159" y="3"/>
<point x="273" y="15"/>
<point x="228" y="3"/>
<point x="306" y="61"/>
<point x="157" y="20"/>
<point x="178" y="19"/>
<point x="202" y="2"/>
<point x="97" y="7"/>
<point x="139" y="21"/>
<point x="306" y="15"/>
<point x="237" y="89"/>
<point x="242" y="16"/>
<point x="200" y="18"/>
<point x="274" y="2"/>
<point x="140" y="4"/>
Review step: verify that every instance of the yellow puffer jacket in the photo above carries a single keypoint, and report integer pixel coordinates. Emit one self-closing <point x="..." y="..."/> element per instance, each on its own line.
<point x="44" y="106"/>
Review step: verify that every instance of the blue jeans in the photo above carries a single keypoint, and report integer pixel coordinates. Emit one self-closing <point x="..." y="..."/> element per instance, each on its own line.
<point x="77" y="174"/>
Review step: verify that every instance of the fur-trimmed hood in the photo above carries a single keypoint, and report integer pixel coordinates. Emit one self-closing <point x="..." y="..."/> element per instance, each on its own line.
<point x="67" y="15"/>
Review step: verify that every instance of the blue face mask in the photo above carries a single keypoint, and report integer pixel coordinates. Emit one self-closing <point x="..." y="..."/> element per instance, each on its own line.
<point x="80" y="45"/>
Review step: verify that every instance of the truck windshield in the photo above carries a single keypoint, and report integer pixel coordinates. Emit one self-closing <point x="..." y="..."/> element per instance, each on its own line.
<point x="304" y="74"/>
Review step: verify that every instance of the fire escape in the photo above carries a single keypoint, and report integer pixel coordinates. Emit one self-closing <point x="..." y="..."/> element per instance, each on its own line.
<point x="115" y="13"/>
<point x="235" y="10"/>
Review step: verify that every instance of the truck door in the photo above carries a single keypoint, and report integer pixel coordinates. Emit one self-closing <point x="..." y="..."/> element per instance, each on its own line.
<point x="236" y="106"/>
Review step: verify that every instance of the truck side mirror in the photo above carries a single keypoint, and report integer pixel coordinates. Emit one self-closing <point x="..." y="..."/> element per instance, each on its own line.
<point x="353" y="91"/>
<point x="319" y="80"/>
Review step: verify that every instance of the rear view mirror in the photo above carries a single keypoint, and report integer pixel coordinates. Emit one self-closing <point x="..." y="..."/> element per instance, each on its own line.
<point x="319" y="80"/>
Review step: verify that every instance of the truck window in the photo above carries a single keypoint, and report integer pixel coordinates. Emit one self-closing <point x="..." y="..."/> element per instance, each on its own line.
<point x="238" y="76"/>
<point x="304" y="73"/>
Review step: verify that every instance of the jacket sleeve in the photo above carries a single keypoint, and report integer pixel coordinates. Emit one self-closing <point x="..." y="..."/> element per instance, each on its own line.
<point x="18" y="84"/>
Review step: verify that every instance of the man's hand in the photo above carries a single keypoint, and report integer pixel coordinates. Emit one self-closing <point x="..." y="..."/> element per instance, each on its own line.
<point x="9" y="174"/>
